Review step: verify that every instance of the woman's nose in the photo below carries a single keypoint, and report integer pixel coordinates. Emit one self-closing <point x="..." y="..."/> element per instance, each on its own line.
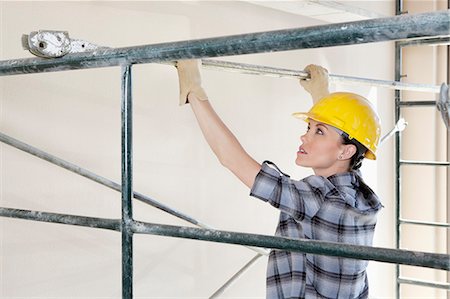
<point x="303" y="138"/>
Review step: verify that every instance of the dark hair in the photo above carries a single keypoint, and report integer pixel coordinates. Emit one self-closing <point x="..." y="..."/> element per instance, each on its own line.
<point x="357" y="158"/>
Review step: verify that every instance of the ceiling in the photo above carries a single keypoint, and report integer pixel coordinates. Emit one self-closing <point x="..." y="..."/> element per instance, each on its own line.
<point x="324" y="10"/>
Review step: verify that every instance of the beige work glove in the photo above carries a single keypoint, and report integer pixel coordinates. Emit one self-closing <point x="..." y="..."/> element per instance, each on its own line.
<point x="317" y="86"/>
<point x="190" y="80"/>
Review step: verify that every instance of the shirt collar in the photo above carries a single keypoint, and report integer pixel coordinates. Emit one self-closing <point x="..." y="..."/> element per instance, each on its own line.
<point x="345" y="179"/>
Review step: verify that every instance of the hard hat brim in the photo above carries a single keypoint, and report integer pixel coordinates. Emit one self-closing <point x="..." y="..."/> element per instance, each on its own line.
<point x="301" y="115"/>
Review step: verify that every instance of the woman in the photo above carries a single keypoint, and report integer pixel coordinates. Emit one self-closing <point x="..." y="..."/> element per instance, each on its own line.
<point x="332" y="205"/>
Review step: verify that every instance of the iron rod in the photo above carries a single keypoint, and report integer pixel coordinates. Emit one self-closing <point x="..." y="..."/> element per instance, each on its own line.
<point x="417" y="103"/>
<point x="297" y="74"/>
<point x="434" y="41"/>
<point x="387" y="255"/>
<point x="127" y="184"/>
<point x="405" y="257"/>
<point x="349" y="33"/>
<point x="425" y="163"/>
<point x="423" y="283"/>
<point x="425" y="223"/>
<point x="233" y="278"/>
<point x="92" y="176"/>
<point x="111" y="224"/>
<point x="398" y="187"/>
<point x="448" y="159"/>
<point x="104" y="181"/>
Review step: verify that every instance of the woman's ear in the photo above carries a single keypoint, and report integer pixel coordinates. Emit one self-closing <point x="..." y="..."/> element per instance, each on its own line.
<point x="348" y="150"/>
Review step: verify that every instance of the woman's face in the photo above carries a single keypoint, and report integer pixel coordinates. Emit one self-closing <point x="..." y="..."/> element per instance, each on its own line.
<point x="321" y="149"/>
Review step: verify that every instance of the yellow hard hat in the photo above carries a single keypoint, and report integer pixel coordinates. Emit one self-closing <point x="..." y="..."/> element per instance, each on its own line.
<point x="350" y="113"/>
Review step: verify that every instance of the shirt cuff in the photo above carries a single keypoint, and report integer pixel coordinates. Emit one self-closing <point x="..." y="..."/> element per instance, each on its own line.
<point x="266" y="181"/>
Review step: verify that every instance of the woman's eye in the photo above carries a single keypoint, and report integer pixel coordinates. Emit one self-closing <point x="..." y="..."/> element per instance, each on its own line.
<point x="319" y="131"/>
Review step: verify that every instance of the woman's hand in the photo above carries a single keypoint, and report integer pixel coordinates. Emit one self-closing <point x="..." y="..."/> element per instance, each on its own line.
<point x="317" y="85"/>
<point x="190" y="80"/>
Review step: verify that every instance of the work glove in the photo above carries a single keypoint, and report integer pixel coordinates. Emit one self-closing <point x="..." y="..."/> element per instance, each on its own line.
<point x="317" y="85"/>
<point x="189" y="80"/>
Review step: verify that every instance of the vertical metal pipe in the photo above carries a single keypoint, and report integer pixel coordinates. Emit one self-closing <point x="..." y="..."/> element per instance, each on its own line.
<point x="397" y="76"/>
<point x="398" y="67"/>
<point x="448" y="159"/>
<point x="127" y="185"/>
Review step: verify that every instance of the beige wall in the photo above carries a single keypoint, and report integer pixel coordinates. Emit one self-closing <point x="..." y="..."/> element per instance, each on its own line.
<point x="76" y="116"/>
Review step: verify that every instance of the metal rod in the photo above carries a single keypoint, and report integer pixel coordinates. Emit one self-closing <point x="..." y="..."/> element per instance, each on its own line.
<point x="298" y="74"/>
<point x="127" y="184"/>
<point x="417" y="103"/>
<point x="92" y="176"/>
<point x="233" y="278"/>
<point x="405" y="257"/>
<point x="387" y="255"/>
<point x="434" y="41"/>
<point x="439" y="285"/>
<point x="425" y="223"/>
<point x="103" y="181"/>
<point x="350" y="33"/>
<point x="111" y="224"/>
<point x="424" y="163"/>
<point x="448" y="159"/>
<point x="398" y="99"/>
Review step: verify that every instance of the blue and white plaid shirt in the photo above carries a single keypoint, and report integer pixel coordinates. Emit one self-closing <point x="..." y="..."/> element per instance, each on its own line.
<point x="340" y="208"/>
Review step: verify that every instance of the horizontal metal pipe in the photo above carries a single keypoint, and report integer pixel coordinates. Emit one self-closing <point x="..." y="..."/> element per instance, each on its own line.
<point x="405" y="257"/>
<point x="439" y="285"/>
<point x="425" y="223"/>
<point x="425" y="163"/>
<point x="350" y="33"/>
<point x="297" y="74"/>
<point x="103" y="181"/>
<point x="111" y="224"/>
<point x="434" y="41"/>
<point x="417" y="103"/>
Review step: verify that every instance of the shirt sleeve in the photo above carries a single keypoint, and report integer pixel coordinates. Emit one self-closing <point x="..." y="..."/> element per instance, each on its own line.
<point x="299" y="199"/>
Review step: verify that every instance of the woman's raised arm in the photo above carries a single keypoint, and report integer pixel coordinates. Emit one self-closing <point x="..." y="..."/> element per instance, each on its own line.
<point x="222" y="141"/>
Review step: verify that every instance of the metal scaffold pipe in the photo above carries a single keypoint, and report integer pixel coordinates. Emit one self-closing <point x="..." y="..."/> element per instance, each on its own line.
<point x="386" y="255"/>
<point x="92" y="176"/>
<point x="233" y="278"/>
<point x="104" y="181"/>
<point x="103" y="223"/>
<point x="296" y="74"/>
<point x="349" y="33"/>
<point x="127" y="183"/>
<point x="434" y="41"/>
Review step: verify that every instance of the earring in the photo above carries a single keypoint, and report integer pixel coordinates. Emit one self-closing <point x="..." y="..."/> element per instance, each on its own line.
<point x="340" y="157"/>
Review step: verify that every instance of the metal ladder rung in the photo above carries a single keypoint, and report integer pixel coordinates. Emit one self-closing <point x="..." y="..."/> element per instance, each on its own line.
<point x="417" y="103"/>
<point x="434" y="41"/>
<point x="424" y="283"/>
<point x="425" y="223"/>
<point x="425" y="163"/>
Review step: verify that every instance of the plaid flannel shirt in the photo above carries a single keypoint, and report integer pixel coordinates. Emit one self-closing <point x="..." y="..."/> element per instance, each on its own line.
<point x="340" y="208"/>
